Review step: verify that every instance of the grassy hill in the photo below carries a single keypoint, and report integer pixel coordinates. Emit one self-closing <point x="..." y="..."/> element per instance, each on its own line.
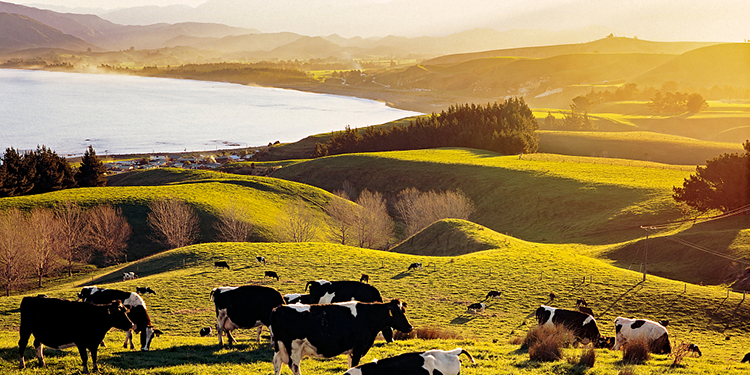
<point x="437" y="296"/>
<point x="451" y="237"/>
<point x="206" y="191"/>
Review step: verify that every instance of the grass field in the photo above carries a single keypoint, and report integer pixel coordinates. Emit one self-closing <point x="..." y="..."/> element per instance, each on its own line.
<point x="437" y="296"/>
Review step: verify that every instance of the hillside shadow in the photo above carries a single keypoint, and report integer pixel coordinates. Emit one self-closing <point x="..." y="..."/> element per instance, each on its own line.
<point x="11" y="312"/>
<point x="632" y="289"/>
<point x="400" y="275"/>
<point x="462" y="319"/>
<point x="191" y="354"/>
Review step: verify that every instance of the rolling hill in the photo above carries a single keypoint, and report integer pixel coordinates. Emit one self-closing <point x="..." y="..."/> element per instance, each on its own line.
<point x="21" y="32"/>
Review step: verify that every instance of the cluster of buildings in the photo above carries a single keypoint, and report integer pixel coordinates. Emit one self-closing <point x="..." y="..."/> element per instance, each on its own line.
<point x="174" y="161"/>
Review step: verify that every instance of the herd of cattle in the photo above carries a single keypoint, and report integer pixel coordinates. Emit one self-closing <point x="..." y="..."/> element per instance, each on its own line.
<point x="333" y="318"/>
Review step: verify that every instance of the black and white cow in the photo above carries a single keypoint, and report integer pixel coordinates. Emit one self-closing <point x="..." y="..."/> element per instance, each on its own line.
<point x="247" y="306"/>
<point x="205" y="331"/>
<point x="261" y="259"/>
<point x="323" y="292"/>
<point x="582" y="325"/>
<point x="142" y="290"/>
<point x="430" y="362"/>
<point x="63" y="324"/>
<point x="129" y="276"/>
<point x="493" y="294"/>
<point x="654" y="333"/>
<point x="325" y="331"/>
<point x="296" y="297"/>
<point x="477" y="307"/>
<point x="414" y="266"/>
<point x="137" y="312"/>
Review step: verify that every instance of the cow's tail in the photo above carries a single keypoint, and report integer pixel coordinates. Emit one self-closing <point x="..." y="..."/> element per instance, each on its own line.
<point x="308" y="284"/>
<point x="468" y="355"/>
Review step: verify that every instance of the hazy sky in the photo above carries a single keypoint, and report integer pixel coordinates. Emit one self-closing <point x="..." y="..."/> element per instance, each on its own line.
<point x="666" y="20"/>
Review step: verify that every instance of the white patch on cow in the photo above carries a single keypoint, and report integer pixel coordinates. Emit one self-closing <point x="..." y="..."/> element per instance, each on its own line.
<point x="149" y="337"/>
<point x="354" y="371"/>
<point x="588" y="320"/>
<point x="322" y="282"/>
<point x="352" y="305"/>
<point x="223" y="289"/>
<point x="134" y="300"/>
<point x="327" y="298"/>
<point x="303" y="348"/>
<point x="299" y="307"/>
<point x="280" y="358"/>
<point x="551" y="315"/>
<point x="447" y="362"/>
<point x="650" y="331"/>
<point x="292" y="296"/>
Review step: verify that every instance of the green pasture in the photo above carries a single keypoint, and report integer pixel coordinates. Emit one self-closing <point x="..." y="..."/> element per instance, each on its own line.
<point x="437" y="297"/>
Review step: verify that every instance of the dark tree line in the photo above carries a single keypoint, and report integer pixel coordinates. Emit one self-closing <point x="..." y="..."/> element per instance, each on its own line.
<point x="42" y="171"/>
<point x="507" y="128"/>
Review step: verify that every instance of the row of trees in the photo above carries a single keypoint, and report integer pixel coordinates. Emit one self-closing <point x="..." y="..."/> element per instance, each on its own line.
<point x="507" y="128"/>
<point x="42" y="171"/>
<point x="673" y="102"/>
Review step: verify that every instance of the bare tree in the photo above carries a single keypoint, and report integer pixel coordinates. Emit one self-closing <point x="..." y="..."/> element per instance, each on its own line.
<point x="72" y="229"/>
<point x="231" y="226"/>
<point x="297" y="224"/>
<point x="420" y="209"/>
<point x="14" y="260"/>
<point x="174" y="222"/>
<point x="43" y="235"/>
<point x="344" y="214"/>
<point x="374" y="227"/>
<point x="108" y="231"/>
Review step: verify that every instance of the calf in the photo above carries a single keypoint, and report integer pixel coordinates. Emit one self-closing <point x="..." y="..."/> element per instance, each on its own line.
<point x="144" y="290"/>
<point x="692" y="348"/>
<point x="205" y="331"/>
<point x="137" y="312"/>
<point x="582" y="325"/>
<point x="246" y="306"/>
<point x="323" y="292"/>
<point x="631" y="329"/>
<point x="271" y="274"/>
<point x="129" y="276"/>
<point x="295" y="297"/>
<point x="477" y="307"/>
<point x="414" y="266"/>
<point x="325" y="331"/>
<point x="365" y="278"/>
<point x="427" y="363"/>
<point x="493" y="294"/>
<point x="261" y="259"/>
<point x="63" y="324"/>
<point x="221" y="264"/>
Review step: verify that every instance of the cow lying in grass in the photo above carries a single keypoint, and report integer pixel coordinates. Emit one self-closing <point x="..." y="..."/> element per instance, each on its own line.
<point x="431" y="362"/>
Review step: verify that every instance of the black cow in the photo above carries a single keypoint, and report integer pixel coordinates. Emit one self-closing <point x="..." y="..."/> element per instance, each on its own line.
<point x="330" y="330"/>
<point x="582" y="325"/>
<point x="261" y="259"/>
<point x="271" y="274"/>
<point x="137" y="312"/>
<point x="427" y="363"/>
<point x="62" y="324"/>
<point x="246" y="306"/>
<point x="493" y="294"/>
<point x="221" y="264"/>
<point x="295" y="297"/>
<point x="365" y="278"/>
<point x="414" y="266"/>
<point x="144" y="290"/>
<point x="322" y="292"/>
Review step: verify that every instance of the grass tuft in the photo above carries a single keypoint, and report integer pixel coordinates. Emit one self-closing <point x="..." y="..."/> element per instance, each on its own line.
<point x="545" y="343"/>
<point x="636" y="351"/>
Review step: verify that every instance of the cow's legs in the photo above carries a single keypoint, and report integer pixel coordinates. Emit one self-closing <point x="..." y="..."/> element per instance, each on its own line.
<point x="93" y="359"/>
<point x="280" y="357"/>
<point x="220" y="332"/>
<point x="231" y="338"/>
<point x="22" y="342"/>
<point x="85" y="358"/>
<point x="39" y="349"/>
<point x="260" y="328"/>
<point x="128" y="338"/>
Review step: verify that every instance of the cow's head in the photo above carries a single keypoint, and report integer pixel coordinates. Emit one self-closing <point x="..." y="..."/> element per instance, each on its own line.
<point x="397" y="316"/>
<point x="142" y="323"/>
<point x="119" y="316"/>
<point x="543" y="314"/>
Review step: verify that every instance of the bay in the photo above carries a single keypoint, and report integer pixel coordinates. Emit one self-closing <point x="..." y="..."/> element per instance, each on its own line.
<point x="119" y="114"/>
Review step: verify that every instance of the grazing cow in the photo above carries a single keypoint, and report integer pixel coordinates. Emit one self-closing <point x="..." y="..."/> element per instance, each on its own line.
<point x="493" y="294"/>
<point x="632" y="329"/>
<point x="415" y="266"/>
<point x="144" y="290"/>
<point x="476" y="307"/>
<point x="365" y="278"/>
<point x="246" y="306"/>
<point x="271" y="274"/>
<point x="325" y="331"/>
<point x="692" y="348"/>
<point x="261" y="259"/>
<point x="221" y="264"/>
<point x="581" y="302"/>
<point x="322" y="292"/>
<point x="63" y="324"/>
<point x="137" y="312"/>
<point x="296" y="297"/>
<point x="605" y="342"/>
<point x="583" y="326"/>
<point x="427" y="363"/>
<point x="129" y="276"/>
<point x="746" y="358"/>
<point x="552" y="296"/>
<point x="205" y="331"/>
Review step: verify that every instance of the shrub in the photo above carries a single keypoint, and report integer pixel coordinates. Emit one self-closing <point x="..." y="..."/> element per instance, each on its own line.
<point x="588" y="357"/>
<point x="626" y="371"/>
<point x="679" y="353"/>
<point x="545" y="343"/>
<point x="636" y="351"/>
<point x="426" y="333"/>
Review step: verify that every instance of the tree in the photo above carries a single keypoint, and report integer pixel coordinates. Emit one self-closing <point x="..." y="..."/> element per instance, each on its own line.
<point x="696" y="103"/>
<point x="72" y="229"/>
<point x="722" y="184"/>
<point x="18" y="173"/>
<point x="92" y="170"/>
<point x="550" y="121"/>
<point x="174" y="222"/>
<point x="343" y="212"/>
<point x="43" y="235"/>
<point x="14" y="260"/>
<point x="373" y="225"/>
<point x="419" y="210"/>
<point x="582" y="103"/>
<point x="108" y="232"/>
<point x="577" y="120"/>
<point x="297" y="223"/>
<point x="231" y="226"/>
<point x="52" y="171"/>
